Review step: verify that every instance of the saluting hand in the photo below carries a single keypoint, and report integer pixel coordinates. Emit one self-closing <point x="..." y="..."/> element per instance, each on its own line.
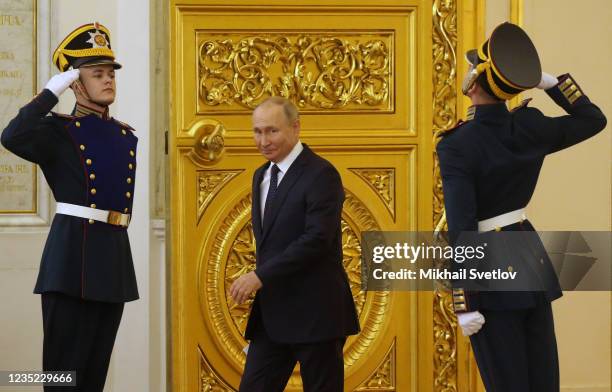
<point x="244" y="286"/>
<point x="547" y="81"/>
<point x="60" y="82"/>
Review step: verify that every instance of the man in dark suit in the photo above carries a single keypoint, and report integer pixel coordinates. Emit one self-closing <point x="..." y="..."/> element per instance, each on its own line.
<point x="490" y="166"/>
<point x="303" y="309"/>
<point x="89" y="160"/>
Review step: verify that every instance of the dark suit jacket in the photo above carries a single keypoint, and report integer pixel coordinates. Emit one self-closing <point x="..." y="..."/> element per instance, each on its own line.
<point x="78" y="155"/>
<point x="305" y="295"/>
<point x="490" y="166"/>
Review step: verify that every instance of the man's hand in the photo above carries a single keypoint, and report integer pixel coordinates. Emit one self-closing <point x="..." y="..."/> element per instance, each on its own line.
<point x="470" y="322"/>
<point x="60" y="82"/>
<point x="244" y="286"/>
<point x="547" y="81"/>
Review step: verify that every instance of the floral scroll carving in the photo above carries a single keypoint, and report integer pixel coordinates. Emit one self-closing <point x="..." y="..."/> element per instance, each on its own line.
<point x="445" y="116"/>
<point x="318" y="71"/>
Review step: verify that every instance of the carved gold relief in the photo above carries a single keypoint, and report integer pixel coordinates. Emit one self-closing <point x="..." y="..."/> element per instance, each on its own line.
<point x="383" y="378"/>
<point x="210" y="381"/>
<point x="445" y="343"/>
<point x="445" y="117"/>
<point x="233" y="254"/>
<point x="444" y="75"/>
<point x="318" y="71"/>
<point x="382" y="181"/>
<point x="215" y="302"/>
<point x="210" y="182"/>
<point x="372" y="305"/>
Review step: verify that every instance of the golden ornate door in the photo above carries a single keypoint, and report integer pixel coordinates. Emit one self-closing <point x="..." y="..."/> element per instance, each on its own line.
<point x="361" y="73"/>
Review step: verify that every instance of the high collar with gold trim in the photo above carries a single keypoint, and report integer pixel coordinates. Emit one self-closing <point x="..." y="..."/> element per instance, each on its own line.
<point x="487" y="110"/>
<point x="82" y="111"/>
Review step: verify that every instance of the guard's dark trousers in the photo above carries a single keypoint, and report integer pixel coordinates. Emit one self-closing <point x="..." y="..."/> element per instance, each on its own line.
<point x="516" y="350"/>
<point x="79" y="335"/>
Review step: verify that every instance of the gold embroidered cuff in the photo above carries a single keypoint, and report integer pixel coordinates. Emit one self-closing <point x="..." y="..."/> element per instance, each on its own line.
<point x="570" y="89"/>
<point x="459" y="302"/>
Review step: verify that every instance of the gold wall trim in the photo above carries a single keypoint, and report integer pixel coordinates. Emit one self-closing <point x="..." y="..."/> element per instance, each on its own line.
<point x="214" y="303"/>
<point x="331" y="8"/>
<point x="445" y="117"/>
<point x="209" y="380"/>
<point x="445" y="343"/>
<point x="445" y="83"/>
<point x="383" y="378"/>
<point x="382" y="181"/>
<point x="210" y="183"/>
<point x="319" y="71"/>
<point x="371" y="305"/>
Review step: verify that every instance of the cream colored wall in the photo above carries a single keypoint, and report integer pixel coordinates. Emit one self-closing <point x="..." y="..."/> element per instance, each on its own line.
<point x="573" y="192"/>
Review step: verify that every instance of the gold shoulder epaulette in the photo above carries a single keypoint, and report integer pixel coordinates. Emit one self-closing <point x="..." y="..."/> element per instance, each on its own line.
<point x="446" y="132"/>
<point x="471" y="112"/>
<point x="124" y="125"/>
<point x="523" y="103"/>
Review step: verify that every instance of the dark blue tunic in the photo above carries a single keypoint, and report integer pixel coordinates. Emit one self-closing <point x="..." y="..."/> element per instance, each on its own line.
<point x="88" y="161"/>
<point x="490" y="166"/>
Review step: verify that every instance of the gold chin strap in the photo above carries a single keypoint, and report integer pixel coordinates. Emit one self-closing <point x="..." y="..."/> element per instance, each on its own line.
<point x="485" y="67"/>
<point x="471" y="77"/>
<point x="87" y="96"/>
<point x="84" y="89"/>
<point x="496" y="90"/>
<point x="469" y="81"/>
<point x="488" y="67"/>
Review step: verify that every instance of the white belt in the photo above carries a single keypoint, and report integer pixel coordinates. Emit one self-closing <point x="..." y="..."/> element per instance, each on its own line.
<point x="110" y="217"/>
<point x="502" y="220"/>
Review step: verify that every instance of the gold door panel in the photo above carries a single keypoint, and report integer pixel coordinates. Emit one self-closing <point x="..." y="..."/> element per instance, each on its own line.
<point x="329" y="60"/>
<point x="361" y="75"/>
<point x="220" y="246"/>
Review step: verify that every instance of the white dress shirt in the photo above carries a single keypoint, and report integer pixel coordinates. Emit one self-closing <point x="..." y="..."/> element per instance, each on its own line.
<point x="283" y="166"/>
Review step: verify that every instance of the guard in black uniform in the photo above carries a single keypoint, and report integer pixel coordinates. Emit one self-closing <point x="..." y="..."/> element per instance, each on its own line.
<point x="89" y="161"/>
<point x="490" y="166"/>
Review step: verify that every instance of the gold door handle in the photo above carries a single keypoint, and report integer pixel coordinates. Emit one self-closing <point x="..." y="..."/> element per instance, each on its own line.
<point x="210" y="141"/>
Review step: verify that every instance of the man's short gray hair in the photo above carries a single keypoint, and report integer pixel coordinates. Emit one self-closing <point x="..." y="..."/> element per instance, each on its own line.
<point x="289" y="108"/>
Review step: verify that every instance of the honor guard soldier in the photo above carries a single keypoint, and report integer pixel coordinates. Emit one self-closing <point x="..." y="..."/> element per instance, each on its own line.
<point x="490" y="166"/>
<point x="89" y="161"/>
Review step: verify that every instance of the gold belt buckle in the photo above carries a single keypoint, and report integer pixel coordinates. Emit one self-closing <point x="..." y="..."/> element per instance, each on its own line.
<point x="118" y="219"/>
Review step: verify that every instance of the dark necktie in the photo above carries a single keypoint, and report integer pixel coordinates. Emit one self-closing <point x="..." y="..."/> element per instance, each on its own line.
<point x="271" y="190"/>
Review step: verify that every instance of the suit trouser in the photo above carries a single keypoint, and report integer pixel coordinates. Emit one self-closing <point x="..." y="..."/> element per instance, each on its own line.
<point x="269" y="365"/>
<point x="516" y="350"/>
<point x="79" y="336"/>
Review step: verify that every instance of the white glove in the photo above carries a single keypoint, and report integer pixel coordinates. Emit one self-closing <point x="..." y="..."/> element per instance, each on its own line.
<point x="470" y="322"/>
<point x="60" y="82"/>
<point x="547" y="81"/>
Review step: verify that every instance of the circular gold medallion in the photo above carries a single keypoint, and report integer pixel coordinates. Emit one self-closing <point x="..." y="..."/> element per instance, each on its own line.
<point x="100" y="40"/>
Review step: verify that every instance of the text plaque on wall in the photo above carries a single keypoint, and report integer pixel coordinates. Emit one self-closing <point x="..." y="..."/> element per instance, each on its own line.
<point x="18" y="185"/>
